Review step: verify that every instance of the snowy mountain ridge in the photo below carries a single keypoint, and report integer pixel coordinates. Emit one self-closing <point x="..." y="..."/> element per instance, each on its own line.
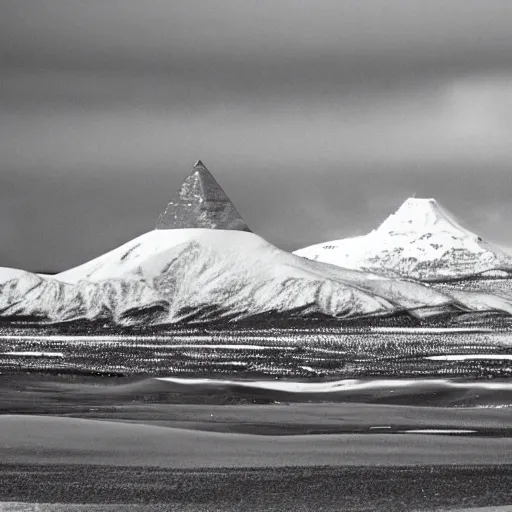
<point x="241" y="272"/>
<point x="203" y="275"/>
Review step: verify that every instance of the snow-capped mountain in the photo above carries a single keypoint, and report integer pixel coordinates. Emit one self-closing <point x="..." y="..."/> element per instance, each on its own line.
<point x="218" y="273"/>
<point x="240" y="275"/>
<point x="24" y="294"/>
<point x="194" y="275"/>
<point x="423" y="241"/>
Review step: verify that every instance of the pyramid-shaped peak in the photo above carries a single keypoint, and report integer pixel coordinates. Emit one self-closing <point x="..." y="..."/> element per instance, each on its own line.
<point x="201" y="203"/>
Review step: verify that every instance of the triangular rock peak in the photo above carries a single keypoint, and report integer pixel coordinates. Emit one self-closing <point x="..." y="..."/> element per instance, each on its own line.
<point x="201" y="203"/>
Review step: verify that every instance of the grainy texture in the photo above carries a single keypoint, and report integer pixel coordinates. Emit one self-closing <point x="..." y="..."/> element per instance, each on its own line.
<point x="331" y="353"/>
<point x="319" y="489"/>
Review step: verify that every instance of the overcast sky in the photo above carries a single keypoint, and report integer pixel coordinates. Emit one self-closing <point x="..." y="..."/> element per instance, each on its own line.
<point x="318" y="118"/>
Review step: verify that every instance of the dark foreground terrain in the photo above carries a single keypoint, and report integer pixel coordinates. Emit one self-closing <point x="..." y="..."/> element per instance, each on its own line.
<point x="315" y="488"/>
<point x="158" y="445"/>
<point x="267" y="422"/>
<point x="334" y="353"/>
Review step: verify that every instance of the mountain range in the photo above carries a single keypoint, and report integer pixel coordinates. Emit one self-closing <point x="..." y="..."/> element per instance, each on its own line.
<point x="203" y="264"/>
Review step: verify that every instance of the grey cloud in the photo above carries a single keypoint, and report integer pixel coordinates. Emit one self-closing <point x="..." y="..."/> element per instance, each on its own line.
<point x="310" y="40"/>
<point x="157" y="29"/>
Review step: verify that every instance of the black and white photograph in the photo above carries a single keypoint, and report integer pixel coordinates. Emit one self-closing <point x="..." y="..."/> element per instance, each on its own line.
<point x="255" y="255"/>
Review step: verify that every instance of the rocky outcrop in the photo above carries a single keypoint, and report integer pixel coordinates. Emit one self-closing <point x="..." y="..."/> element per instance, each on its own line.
<point x="201" y="203"/>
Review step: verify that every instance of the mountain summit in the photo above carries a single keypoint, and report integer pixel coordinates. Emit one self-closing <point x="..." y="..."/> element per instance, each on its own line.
<point x="417" y="214"/>
<point x="421" y="240"/>
<point x="201" y="203"/>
